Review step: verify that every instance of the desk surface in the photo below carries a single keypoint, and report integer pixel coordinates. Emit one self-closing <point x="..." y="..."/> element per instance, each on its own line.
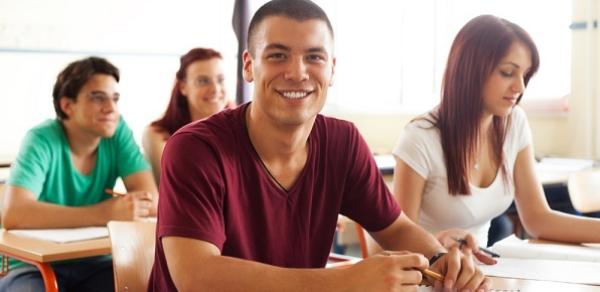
<point x="533" y="285"/>
<point x="45" y="251"/>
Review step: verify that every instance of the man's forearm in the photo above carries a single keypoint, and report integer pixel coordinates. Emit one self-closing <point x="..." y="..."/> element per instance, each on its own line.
<point x="407" y="235"/>
<point x="231" y="274"/>
<point x="47" y="215"/>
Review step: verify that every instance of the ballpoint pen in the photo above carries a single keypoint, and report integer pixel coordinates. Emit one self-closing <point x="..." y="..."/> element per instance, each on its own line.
<point x="489" y="252"/>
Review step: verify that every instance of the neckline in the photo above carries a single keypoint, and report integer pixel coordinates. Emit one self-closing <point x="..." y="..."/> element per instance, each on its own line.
<point x="488" y="186"/>
<point x="69" y="153"/>
<point x="256" y="156"/>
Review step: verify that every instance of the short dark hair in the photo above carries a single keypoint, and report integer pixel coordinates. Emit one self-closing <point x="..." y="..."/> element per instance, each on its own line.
<point x="71" y="79"/>
<point x="300" y="10"/>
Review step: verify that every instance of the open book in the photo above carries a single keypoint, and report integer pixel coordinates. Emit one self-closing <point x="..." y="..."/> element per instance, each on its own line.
<point x="546" y="261"/>
<point x="63" y="235"/>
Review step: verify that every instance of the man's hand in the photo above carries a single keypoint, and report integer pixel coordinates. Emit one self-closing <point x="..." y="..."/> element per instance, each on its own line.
<point x="128" y="206"/>
<point x="460" y="271"/>
<point x="387" y="271"/>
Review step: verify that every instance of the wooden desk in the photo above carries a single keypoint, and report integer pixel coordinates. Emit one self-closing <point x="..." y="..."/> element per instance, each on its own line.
<point x="41" y="253"/>
<point x="507" y="284"/>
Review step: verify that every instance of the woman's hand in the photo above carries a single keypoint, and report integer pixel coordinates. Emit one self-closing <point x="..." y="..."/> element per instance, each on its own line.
<point x="463" y="239"/>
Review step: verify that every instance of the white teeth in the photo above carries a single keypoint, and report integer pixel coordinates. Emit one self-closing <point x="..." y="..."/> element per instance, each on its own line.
<point x="295" y="94"/>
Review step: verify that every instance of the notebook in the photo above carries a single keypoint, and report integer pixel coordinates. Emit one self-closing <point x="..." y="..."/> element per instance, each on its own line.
<point x="63" y="235"/>
<point x="556" y="262"/>
<point x="513" y="247"/>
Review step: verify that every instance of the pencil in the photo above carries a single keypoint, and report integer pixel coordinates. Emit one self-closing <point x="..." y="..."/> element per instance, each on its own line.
<point x="432" y="274"/>
<point x="489" y="252"/>
<point x="113" y="193"/>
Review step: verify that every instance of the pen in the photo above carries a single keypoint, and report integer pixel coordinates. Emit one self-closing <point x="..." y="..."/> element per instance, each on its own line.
<point x="113" y="193"/>
<point x="489" y="252"/>
<point x="432" y="274"/>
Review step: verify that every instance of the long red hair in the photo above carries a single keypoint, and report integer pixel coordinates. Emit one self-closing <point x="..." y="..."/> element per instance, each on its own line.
<point x="475" y="53"/>
<point x="178" y="110"/>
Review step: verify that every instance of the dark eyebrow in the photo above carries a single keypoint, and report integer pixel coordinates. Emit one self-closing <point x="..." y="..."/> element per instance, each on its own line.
<point x="277" y="46"/>
<point x="103" y="93"/>
<point x="511" y="63"/>
<point x="515" y="65"/>
<point x="317" y="50"/>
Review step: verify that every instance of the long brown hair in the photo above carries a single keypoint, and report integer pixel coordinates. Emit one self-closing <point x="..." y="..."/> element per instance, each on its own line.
<point x="178" y="110"/>
<point x="475" y="52"/>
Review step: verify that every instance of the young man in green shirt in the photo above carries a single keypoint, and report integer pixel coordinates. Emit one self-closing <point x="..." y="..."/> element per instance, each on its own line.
<point x="64" y="167"/>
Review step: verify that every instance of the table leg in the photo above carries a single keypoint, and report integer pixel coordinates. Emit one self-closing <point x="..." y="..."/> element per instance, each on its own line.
<point x="49" y="277"/>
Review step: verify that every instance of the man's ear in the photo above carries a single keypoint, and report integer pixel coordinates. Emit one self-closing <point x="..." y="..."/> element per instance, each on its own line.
<point x="247" y="72"/>
<point x="66" y="105"/>
<point x="332" y="72"/>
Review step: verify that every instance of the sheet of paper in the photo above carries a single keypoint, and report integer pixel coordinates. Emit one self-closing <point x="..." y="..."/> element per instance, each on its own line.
<point x="547" y="270"/>
<point x="63" y="235"/>
<point x="513" y="247"/>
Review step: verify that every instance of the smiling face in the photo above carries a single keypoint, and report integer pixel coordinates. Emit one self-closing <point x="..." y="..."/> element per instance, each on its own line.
<point x="506" y="82"/>
<point x="292" y="67"/>
<point x="94" y="111"/>
<point x="204" y="87"/>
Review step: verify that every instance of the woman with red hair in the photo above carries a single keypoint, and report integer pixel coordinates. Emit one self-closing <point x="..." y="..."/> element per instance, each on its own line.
<point x="464" y="162"/>
<point x="198" y="92"/>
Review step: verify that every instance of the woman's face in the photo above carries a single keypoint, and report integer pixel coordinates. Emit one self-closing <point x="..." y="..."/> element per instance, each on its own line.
<point x="204" y="87"/>
<point x="507" y="81"/>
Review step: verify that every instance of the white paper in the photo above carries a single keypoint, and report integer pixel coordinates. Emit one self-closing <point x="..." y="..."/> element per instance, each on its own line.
<point x="513" y="247"/>
<point x="564" y="164"/>
<point x="63" y="235"/>
<point x="546" y="270"/>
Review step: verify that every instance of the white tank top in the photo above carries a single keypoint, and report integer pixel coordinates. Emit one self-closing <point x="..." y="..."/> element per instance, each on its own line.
<point x="419" y="146"/>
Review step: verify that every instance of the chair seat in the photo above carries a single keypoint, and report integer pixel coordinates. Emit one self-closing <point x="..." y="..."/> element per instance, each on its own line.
<point x="584" y="190"/>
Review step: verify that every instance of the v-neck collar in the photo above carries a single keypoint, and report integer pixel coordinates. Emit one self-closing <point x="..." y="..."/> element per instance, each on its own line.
<point x="274" y="183"/>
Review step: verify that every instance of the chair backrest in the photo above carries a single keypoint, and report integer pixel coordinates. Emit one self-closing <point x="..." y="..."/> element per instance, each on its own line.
<point x="132" y="245"/>
<point x="368" y="245"/>
<point x="584" y="190"/>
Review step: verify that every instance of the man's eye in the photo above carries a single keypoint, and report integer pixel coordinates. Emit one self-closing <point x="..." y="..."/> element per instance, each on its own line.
<point x="276" y="56"/>
<point x="315" y="58"/>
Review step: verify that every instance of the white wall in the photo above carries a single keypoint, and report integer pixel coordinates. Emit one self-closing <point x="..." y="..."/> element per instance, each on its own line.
<point x="38" y="38"/>
<point x="144" y="39"/>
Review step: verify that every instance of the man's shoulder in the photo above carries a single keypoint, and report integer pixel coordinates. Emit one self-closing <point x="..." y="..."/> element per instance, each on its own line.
<point x="334" y="124"/>
<point x="219" y="124"/>
<point x="49" y="130"/>
<point x="220" y="131"/>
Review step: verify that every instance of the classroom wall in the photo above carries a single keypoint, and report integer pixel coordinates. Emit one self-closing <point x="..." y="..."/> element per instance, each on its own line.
<point x="575" y="133"/>
<point x="556" y="132"/>
<point x="382" y="131"/>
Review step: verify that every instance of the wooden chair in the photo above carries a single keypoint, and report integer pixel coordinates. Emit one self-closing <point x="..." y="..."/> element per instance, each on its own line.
<point x="584" y="190"/>
<point x="132" y="245"/>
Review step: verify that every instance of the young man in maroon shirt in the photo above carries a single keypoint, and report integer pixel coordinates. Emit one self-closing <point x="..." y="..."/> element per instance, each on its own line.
<point x="250" y="197"/>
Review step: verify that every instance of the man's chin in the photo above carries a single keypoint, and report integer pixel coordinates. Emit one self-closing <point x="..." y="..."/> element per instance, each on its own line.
<point x="107" y="133"/>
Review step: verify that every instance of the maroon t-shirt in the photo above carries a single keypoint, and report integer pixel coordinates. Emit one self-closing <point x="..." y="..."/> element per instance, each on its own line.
<point x="214" y="188"/>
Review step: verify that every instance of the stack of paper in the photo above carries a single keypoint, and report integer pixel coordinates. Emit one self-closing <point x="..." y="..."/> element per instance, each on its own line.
<point x="546" y="261"/>
<point x="63" y="235"/>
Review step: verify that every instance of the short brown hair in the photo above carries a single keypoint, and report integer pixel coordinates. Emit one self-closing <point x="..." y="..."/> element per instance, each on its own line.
<point x="71" y="79"/>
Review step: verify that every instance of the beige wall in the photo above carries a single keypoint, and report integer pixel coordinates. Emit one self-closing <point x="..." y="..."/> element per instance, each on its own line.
<point x="573" y="134"/>
<point x="382" y="131"/>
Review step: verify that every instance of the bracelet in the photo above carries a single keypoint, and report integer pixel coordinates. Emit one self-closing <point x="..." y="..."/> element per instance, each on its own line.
<point x="436" y="257"/>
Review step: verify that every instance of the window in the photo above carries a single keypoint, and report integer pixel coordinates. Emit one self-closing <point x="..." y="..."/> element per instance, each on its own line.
<point x="391" y="54"/>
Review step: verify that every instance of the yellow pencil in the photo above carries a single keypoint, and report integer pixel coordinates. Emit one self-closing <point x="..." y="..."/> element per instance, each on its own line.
<point x="432" y="274"/>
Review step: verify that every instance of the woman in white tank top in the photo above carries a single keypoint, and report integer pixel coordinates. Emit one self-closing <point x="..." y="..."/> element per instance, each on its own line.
<point x="462" y="164"/>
